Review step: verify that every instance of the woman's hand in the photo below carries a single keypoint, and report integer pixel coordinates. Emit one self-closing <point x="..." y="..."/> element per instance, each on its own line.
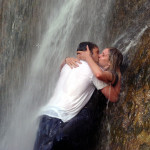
<point x="72" y="62"/>
<point x="83" y="55"/>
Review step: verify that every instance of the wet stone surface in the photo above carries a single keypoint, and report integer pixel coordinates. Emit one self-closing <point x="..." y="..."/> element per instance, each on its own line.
<point x="129" y="117"/>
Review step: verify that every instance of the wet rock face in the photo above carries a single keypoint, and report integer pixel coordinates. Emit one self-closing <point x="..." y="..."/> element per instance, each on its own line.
<point x="130" y="117"/>
<point x="19" y="21"/>
<point x="128" y="16"/>
<point x="20" y="31"/>
<point x="133" y="130"/>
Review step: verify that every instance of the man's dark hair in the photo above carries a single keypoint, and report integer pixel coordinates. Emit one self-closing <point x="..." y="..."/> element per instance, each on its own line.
<point x="82" y="46"/>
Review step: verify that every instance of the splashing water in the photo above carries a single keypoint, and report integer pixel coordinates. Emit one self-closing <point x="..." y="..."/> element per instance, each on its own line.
<point x="76" y="21"/>
<point x="127" y="41"/>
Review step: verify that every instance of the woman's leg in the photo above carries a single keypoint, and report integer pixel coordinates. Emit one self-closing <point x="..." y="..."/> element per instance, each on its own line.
<point x="76" y="134"/>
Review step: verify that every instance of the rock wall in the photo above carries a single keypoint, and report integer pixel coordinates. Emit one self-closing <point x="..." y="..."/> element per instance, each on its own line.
<point x="129" y="117"/>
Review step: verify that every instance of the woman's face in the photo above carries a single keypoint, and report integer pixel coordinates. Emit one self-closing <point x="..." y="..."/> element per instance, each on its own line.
<point x="104" y="61"/>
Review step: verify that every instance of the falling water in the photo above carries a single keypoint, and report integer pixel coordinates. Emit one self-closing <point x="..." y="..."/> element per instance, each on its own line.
<point x="127" y="41"/>
<point x="73" y="22"/>
<point x="108" y="129"/>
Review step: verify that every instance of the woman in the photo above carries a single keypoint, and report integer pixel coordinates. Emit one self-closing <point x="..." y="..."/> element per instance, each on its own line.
<point x="79" y="133"/>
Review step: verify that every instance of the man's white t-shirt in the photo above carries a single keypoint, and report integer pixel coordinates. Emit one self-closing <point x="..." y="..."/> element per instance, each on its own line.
<point x="73" y="90"/>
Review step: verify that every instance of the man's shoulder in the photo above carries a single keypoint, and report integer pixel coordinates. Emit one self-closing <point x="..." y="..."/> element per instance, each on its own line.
<point x="82" y="67"/>
<point x="84" y="63"/>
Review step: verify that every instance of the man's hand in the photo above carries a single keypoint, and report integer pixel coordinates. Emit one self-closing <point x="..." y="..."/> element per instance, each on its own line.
<point x="72" y="62"/>
<point x="83" y="55"/>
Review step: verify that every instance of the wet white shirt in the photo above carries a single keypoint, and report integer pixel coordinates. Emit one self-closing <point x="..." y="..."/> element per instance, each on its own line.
<point x="73" y="90"/>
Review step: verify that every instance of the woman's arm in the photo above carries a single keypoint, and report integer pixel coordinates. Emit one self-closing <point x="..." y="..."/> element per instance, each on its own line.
<point x="105" y="76"/>
<point x="62" y="64"/>
<point x="71" y="61"/>
<point x="112" y="92"/>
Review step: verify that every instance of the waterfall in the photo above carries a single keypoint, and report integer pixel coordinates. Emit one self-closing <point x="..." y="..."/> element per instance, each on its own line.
<point x="68" y="24"/>
<point x="127" y="41"/>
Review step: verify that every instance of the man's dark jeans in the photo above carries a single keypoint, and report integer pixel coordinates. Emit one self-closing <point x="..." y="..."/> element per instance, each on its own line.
<point x="76" y="134"/>
<point x="53" y="134"/>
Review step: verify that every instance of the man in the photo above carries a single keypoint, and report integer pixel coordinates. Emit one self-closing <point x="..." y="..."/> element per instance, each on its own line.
<point x="73" y="91"/>
<point x="80" y="131"/>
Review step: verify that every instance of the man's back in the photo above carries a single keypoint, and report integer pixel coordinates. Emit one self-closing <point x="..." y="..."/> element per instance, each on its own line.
<point x="73" y="90"/>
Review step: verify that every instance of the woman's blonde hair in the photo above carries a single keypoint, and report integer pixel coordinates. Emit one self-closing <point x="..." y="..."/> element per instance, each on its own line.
<point x="116" y="58"/>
